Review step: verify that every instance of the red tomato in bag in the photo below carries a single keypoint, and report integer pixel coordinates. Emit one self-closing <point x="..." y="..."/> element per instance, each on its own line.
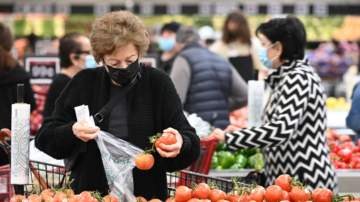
<point x="202" y="191"/>
<point x="273" y="193"/>
<point x="300" y="195"/>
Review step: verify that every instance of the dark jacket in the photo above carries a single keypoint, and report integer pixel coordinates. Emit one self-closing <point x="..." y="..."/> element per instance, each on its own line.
<point x="353" y="119"/>
<point x="210" y="84"/>
<point x="8" y="93"/>
<point x="153" y="105"/>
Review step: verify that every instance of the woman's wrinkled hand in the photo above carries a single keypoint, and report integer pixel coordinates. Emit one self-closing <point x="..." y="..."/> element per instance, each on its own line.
<point x="171" y="151"/>
<point x="84" y="132"/>
<point x="231" y="129"/>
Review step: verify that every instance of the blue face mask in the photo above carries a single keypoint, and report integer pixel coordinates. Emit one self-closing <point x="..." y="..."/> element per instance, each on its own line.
<point x="262" y="53"/>
<point x="90" y="61"/>
<point x="166" y="44"/>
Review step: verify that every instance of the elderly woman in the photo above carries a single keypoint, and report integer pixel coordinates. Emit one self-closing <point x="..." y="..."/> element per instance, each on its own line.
<point x="119" y="40"/>
<point x="293" y="133"/>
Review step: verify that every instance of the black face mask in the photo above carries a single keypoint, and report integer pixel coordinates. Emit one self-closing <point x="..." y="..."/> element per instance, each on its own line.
<point x="233" y="35"/>
<point x="124" y="76"/>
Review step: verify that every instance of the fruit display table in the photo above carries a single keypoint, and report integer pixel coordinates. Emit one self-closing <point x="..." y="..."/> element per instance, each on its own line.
<point x="348" y="180"/>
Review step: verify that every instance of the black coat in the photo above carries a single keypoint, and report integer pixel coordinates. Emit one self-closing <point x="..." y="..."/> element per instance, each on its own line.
<point x="153" y="105"/>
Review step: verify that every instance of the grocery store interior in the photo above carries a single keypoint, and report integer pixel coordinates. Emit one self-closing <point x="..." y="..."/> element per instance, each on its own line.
<point x="266" y="128"/>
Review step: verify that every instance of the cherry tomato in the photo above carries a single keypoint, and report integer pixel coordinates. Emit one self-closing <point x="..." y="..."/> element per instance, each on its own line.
<point x="257" y="195"/>
<point x="171" y="199"/>
<point x="299" y="195"/>
<point x="345" y="154"/>
<point x="167" y="139"/>
<point x="140" y="199"/>
<point x="283" y="181"/>
<point x="273" y="193"/>
<point x="216" y="195"/>
<point x="202" y="191"/>
<point x="109" y="198"/>
<point x="323" y="195"/>
<point x="286" y="196"/>
<point x="48" y="192"/>
<point x="182" y="194"/>
<point x="144" y="161"/>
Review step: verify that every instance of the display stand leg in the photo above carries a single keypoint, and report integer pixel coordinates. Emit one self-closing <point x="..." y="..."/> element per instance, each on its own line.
<point x="19" y="190"/>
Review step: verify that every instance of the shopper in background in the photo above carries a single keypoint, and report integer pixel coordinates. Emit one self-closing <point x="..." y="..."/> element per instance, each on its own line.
<point x="11" y="74"/>
<point x="168" y="46"/>
<point x="293" y="133"/>
<point x="238" y="46"/>
<point x="205" y="81"/>
<point x="119" y="40"/>
<point x="206" y="35"/>
<point x="353" y="119"/>
<point x="74" y="54"/>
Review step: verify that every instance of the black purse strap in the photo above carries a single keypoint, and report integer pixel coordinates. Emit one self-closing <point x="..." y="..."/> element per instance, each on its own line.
<point x="99" y="117"/>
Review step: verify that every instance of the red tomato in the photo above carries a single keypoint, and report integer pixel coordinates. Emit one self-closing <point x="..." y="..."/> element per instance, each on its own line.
<point x="346" y="199"/>
<point x="223" y="201"/>
<point x="155" y="200"/>
<point x="299" y="195"/>
<point x="230" y="197"/>
<point x="69" y="192"/>
<point x="194" y="200"/>
<point x="216" y="195"/>
<point x="286" y="196"/>
<point x="47" y="198"/>
<point x="334" y="147"/>
<point x="273" y="193"/>
<point x="171" y="199"/>
<point x="323" y="195"/>
<point x="60" y="196"/>
<point x="245" y="198"/>
<point x="32" y="197"/>
<point x="182" y="194"/>
<point x="260" y="188"/>
<point x="283" y="181"/>
<point x="202" y="191"/>
<point x="205" y="200"/>
<point x="109" y="198"/>
<point x="257" y="195"/>
<point x="48" y="192"/>
<point x="345" y="154"/>
<point x="144" y="161"/>
<point x="86" y="194"/>
<point x="315" y="194"/>
<point x="140" y="199"/>
<point x="166" y="138"/>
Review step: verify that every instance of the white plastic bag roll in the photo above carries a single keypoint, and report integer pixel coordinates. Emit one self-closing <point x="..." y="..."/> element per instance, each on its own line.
<point x="255" y="102"/>
<point x="20" y="133"/>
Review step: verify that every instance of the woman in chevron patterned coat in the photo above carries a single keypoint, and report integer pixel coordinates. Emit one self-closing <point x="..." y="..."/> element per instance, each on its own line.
<point x="293" y="133"/>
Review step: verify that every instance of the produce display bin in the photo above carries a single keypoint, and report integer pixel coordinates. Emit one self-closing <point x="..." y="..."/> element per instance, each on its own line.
<point x="6" y="190"/>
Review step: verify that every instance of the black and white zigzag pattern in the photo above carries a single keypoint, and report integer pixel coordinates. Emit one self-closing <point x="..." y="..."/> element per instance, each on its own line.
<point x="294" y="129"/>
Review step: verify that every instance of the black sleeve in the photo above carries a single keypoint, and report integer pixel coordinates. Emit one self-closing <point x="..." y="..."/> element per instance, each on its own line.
<point x="55" y="137"/>
<point x="173" y="116"/>
<point x="29" y="95"/>
<point x="54" y="92"/>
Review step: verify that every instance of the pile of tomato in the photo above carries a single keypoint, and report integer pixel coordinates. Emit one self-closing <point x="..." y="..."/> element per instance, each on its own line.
<point x="286" y="189"/>
<point x="344" y="156"/>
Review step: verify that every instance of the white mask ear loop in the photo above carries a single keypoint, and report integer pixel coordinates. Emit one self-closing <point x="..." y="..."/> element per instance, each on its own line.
<point x="270" y="47"/>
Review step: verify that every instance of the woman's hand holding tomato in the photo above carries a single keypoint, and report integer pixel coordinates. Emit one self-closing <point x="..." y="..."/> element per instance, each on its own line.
<point x="170" y="151"/>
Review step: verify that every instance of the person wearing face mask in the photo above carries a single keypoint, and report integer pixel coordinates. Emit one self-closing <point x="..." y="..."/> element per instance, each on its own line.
<point x="119" y="40"/>
<point x="238" y="46"/>
<point x="75" y="55"/>
<point x="293" y="133"/>
<point x="169" y="49"/>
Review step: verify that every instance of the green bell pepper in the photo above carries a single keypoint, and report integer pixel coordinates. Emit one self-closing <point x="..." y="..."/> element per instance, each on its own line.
<point x="221" y="147"/>
<point x="241" y="160"/>
<point x="225" y="159"/>
<point x="250" y="152"/>
<point x="252" y="161"/>
<point x="235" y="166"/>
<point x="214" y="162"/>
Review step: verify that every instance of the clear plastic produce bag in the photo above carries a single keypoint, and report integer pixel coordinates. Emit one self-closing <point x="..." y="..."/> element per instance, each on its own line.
<point x="118" y="157"/>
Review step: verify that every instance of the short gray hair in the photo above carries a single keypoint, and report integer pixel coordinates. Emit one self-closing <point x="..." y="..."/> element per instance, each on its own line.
<point x="185" y="34"/>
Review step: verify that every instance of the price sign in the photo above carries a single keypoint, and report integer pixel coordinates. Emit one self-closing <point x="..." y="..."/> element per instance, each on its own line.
<point x="41" y="68"/>
<point x="251" y="8"/>
<point x="205" y="8"/>
<point x="274" y="8"/>
<point x="146" y="8"/>
<point x="301" y="8"/>
<point x="221" y="8"/>
<point x="321" y="9"/>
<point x="173" y="8"/>
<point x="63" y="7"/>
<point x="151" y="60"/>
<point x="101" y="8"/>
